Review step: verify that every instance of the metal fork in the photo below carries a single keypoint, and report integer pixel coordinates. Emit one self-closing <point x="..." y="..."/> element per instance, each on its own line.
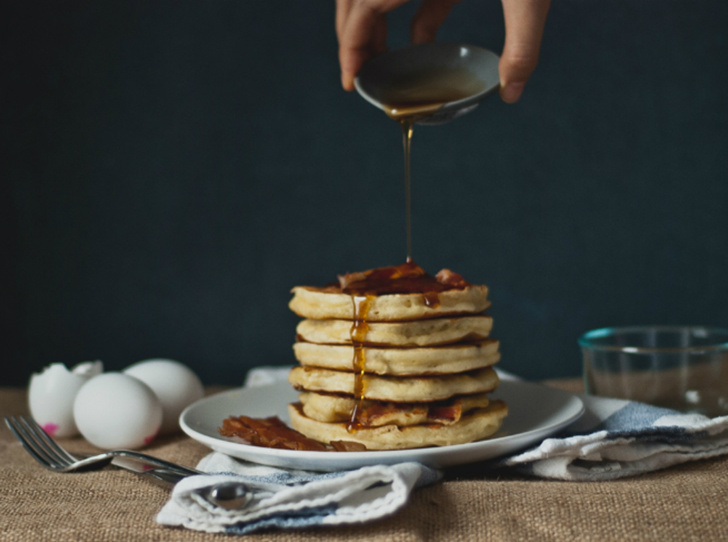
<point x="47" y="452"/>
<point x="51" y="455"/>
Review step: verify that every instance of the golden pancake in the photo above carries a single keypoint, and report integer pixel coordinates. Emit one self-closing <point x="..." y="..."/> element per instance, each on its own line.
<point x="415" y="333"/>
<point x="416" y="389"/>
<point x="329" y="303"/>
<point x="455" y="358"/>
<point x="476" y="425"/>
<point x="338" y="408"/>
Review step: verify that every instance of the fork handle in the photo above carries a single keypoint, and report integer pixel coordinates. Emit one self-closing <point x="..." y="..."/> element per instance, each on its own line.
<point x="155" y="462"/>
<point x="166" y="477"/>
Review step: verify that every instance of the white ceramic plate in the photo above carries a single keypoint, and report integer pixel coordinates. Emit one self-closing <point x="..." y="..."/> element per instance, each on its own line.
<point x="535" y="412"/>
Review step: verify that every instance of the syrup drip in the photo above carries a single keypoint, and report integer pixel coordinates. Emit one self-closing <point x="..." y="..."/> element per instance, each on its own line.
<point x="407" y="127"/>
<point x="410" y="99"/>
<point x="432" y="299"/>
<point x="358" y="333"/>
<point x="414" y="96"/>
<point x="363" y="287"/>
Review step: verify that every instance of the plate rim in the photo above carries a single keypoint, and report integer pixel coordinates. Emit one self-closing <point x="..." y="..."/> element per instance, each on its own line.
<point x="435" y="456"/>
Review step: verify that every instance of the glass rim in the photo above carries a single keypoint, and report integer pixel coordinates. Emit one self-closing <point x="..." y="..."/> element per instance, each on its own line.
<point x="587" y="340"/>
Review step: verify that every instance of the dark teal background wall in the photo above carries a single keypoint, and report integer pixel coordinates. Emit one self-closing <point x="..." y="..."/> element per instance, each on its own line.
<point x="170" y="170"/>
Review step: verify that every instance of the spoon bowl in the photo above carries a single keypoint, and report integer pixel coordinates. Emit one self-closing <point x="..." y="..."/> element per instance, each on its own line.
<point x="227" y="495"/>
<point x="438" y="81"/>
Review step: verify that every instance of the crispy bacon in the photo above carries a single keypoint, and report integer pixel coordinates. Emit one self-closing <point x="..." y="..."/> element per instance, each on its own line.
<point x="450" y="278"/>
<point x="405" y="278"/>
<point x="373" y="278"/>
<point x="374" y="411"/>
<point x="273" y="433"/>
<point x="445" y="413"/>
<point x="348" y="446"/>
<point x="268" y="432"/>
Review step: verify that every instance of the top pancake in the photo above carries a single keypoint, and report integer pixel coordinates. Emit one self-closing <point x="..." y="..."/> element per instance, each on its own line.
<point x="331" y="303"/>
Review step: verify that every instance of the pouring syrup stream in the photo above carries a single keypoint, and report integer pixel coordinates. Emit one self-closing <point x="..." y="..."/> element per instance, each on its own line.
<point x="409" y="100"/>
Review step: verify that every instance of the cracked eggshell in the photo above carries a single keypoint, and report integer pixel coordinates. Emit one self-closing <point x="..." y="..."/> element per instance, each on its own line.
<point x="51" y="394"/>
<point x="114" y="410"/>
<point x="175" y="384"/>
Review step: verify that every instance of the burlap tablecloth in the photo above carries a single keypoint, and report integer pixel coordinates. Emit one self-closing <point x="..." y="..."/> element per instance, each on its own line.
<point x="685" y="503"/>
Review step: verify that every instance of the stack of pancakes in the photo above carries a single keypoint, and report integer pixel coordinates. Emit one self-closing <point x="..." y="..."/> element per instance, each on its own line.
<point x="393" y="358"/>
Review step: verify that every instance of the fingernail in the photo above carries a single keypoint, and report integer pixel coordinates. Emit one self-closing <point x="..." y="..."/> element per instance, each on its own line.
<point x="511" y="92"/>
<point x="347" y="81"/>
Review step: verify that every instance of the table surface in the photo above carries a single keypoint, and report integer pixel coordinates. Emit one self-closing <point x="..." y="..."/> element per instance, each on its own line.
<point x="689" y="502"/>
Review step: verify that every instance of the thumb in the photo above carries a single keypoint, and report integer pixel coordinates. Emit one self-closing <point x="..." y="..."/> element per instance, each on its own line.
<point x="524" y="21"/>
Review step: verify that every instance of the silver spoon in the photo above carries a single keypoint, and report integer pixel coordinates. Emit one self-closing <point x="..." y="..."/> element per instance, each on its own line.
<point x="462" y="75"/>
<point x="227" y="495"/>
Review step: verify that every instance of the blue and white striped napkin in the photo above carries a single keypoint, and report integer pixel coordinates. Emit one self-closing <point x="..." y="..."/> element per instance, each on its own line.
<point x="617" y="438"/>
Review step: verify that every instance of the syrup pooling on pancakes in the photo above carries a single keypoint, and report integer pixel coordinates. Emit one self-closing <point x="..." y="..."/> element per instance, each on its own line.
<point x="363" y="286"/>
<point x="407" y="278"/>
<point x="408" y="98"/>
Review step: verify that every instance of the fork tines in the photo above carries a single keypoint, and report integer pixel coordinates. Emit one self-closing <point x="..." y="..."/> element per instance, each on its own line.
<point x="38" y="444"/>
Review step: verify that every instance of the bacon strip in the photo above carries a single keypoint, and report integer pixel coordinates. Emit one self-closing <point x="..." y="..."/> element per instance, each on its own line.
<point x="446" y="414"/>
<point x="348" y="446"/>
<point x="451" y="278"/>
<point x="273" y="433"/>
<point x="376" y="410"/>
<point x="405" y="278"/>
<point x="268" y="432"/>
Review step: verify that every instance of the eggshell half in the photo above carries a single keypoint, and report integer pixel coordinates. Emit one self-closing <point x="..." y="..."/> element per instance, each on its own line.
<point x="51" y="394"/>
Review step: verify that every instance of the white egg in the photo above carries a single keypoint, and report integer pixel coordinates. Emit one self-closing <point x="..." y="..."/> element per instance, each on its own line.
<point x="114" y="410"/>
<point x="51" y="394"/>
<point x="175" y="384"/>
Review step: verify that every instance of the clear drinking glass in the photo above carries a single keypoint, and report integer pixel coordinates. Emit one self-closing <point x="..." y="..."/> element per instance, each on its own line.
<point x="679" y="367"/>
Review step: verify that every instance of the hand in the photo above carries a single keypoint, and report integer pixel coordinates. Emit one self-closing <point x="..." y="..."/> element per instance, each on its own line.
<point x="361" y="28"/>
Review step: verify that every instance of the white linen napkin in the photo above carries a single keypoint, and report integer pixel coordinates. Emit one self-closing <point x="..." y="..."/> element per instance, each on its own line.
<point x="284" y="498"/>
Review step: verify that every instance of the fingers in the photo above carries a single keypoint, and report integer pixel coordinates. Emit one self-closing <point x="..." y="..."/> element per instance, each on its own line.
<point x="362" y="30"/>
<point x="429" y="18"/>
<point x="525" y="21"/>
